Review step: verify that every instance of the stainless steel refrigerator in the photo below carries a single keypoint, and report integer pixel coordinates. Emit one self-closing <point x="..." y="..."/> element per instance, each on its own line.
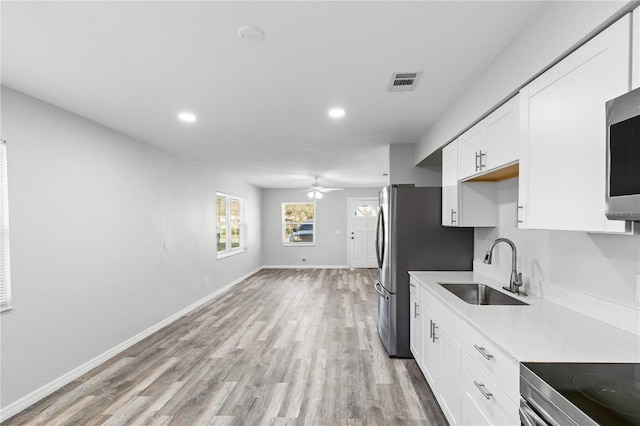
<point x="410" y="237"/>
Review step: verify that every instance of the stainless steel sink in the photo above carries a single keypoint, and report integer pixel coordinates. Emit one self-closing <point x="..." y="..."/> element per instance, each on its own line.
<point x="480" y="294"/>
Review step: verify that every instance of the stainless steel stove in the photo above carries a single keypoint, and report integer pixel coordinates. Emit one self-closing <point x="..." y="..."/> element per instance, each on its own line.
<point x="579" y="394"/>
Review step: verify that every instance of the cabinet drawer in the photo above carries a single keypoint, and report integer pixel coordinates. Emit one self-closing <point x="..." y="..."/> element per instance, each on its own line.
<point x="504" y="370"/>
<point x="481" y="395"/>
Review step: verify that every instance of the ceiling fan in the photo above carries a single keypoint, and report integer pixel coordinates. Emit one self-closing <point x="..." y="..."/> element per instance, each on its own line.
<point x="316" y="191"/>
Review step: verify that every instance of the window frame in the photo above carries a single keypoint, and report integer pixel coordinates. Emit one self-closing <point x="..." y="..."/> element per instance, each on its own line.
<point x="241" y="224"/>
<point x="283" y="226"/>
<point x="5" y="264"/>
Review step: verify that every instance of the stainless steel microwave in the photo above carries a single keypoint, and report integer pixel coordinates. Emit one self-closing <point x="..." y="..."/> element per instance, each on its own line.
<point x="623" y="157"/>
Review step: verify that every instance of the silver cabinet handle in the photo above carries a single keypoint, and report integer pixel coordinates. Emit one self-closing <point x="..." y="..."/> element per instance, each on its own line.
<point x="482" y="154"/>
<point x="416" y="313"/>
<point x="477" y="161"/>
<point x="481" y="388"/>
<point x="434" y="337"/>
<point x="483" y="352"/>
<point x="412" y="285"/>
<point x="431" y="329"/>
<point x="518" y="220"/>
<point x="453" y="216"/>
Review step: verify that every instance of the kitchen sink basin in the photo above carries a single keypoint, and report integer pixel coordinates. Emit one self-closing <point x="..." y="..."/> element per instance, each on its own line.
<point x="480" y="294"/>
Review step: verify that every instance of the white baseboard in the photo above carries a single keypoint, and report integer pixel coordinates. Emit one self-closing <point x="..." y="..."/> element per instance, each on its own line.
<point x="35" y="396"/>
<point x="305" y="266"/>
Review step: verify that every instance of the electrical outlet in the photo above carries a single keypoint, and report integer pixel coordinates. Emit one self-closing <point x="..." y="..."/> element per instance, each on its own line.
<point x="638" y="288"/>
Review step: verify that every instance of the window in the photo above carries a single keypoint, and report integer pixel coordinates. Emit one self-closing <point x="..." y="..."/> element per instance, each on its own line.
<point x="298" y="223"/>
<point x="5" y="282"/>
<point x="230" y="225"/>
<point x="365" y="210"/>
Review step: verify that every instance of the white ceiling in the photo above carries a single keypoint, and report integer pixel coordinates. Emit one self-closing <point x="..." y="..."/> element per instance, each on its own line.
<point x="262" y="109"/>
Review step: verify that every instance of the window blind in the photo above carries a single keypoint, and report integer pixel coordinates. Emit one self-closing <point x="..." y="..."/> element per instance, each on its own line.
<point x="5" y="287"/>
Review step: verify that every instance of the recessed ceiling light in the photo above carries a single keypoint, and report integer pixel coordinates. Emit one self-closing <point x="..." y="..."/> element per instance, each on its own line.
<point x="187" y="117"/>
<point x="252" y="35"/>
<point x="336" y="113"/>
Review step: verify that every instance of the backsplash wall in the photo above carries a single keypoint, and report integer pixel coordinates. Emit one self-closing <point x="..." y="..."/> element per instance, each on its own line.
<point x="604" y="266"/>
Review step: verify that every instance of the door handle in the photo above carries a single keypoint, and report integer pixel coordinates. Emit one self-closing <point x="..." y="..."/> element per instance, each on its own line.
<point x="379" y="290"/>
<point x="379" y="224"/>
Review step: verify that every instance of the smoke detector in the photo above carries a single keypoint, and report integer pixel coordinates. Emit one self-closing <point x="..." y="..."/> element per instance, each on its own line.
<point x="403" y="81"/>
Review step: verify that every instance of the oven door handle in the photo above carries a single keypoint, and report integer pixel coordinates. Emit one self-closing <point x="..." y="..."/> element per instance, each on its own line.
<point x="528" y="416"/>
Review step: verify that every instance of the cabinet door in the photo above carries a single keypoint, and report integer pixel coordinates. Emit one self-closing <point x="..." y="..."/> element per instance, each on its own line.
<point x="449" y="371"/>
<point x="635" y="54"/>
<point x="450" y="184"/>
<point x="563" y="131"/>
<point x="503" y="134"/>
<point x="430" y="355"/>
<point x="472" y="146"/>
<point x="415" y="324"/>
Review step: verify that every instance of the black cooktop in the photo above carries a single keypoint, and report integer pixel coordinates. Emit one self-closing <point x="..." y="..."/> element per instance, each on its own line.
<point x="608" y="393"/>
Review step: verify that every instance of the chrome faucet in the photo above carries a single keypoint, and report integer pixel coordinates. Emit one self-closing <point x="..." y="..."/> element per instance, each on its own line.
<point x="515" y="281"/>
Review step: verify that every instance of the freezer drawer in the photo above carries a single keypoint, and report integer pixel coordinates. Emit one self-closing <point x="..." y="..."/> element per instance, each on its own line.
<point x="387" y="319"/>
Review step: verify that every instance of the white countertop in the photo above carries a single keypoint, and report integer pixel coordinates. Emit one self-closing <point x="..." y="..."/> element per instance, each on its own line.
<point x="540" y="332"/>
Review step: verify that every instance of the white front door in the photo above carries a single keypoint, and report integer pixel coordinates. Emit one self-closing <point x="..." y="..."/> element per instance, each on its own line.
<point x="362" y="214"/>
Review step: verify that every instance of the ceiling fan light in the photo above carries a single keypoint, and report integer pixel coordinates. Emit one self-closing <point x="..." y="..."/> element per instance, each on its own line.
<point x="310" y="194"/>
<point x="318" y="195"/>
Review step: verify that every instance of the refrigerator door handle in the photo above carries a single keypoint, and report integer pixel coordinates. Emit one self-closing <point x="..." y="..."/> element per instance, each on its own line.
<point x="379" y="233"/>
<point x="379" y="290"/>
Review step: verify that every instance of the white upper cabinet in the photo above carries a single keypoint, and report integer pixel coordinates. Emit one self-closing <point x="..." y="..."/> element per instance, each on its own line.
<point x="465" y="203"/>
<point x="491" y="143"/>
<point x="472" y="147"/>
<point x="562" y="155"/>
<point x="503" y="133"/>
<point x="450" y="184"/>
<point x="635" y="54"/>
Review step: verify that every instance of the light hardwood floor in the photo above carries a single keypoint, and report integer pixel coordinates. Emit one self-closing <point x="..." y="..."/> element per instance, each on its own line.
<point x="284" y="347"/>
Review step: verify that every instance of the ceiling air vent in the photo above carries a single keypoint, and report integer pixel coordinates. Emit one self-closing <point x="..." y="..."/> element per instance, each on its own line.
<point x="403" y="81"/>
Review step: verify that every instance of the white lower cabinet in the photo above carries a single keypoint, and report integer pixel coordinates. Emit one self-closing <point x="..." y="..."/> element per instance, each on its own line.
<point x="441" y="355"/>
<point x="415" y="323"/>
<point x="473" y="380"/>
<point x="483" y="401"/>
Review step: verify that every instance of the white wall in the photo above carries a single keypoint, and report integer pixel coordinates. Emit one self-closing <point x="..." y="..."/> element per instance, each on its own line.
<point x="601" y="265"/>
<point x="402" y="168"/>
<point x="90" y="209"/>
<point x="331" y="228"/>
<point x="557" y="29"/>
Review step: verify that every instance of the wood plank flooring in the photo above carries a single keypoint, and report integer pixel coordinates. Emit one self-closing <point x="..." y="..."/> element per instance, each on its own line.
<point x="284" y="347"/>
